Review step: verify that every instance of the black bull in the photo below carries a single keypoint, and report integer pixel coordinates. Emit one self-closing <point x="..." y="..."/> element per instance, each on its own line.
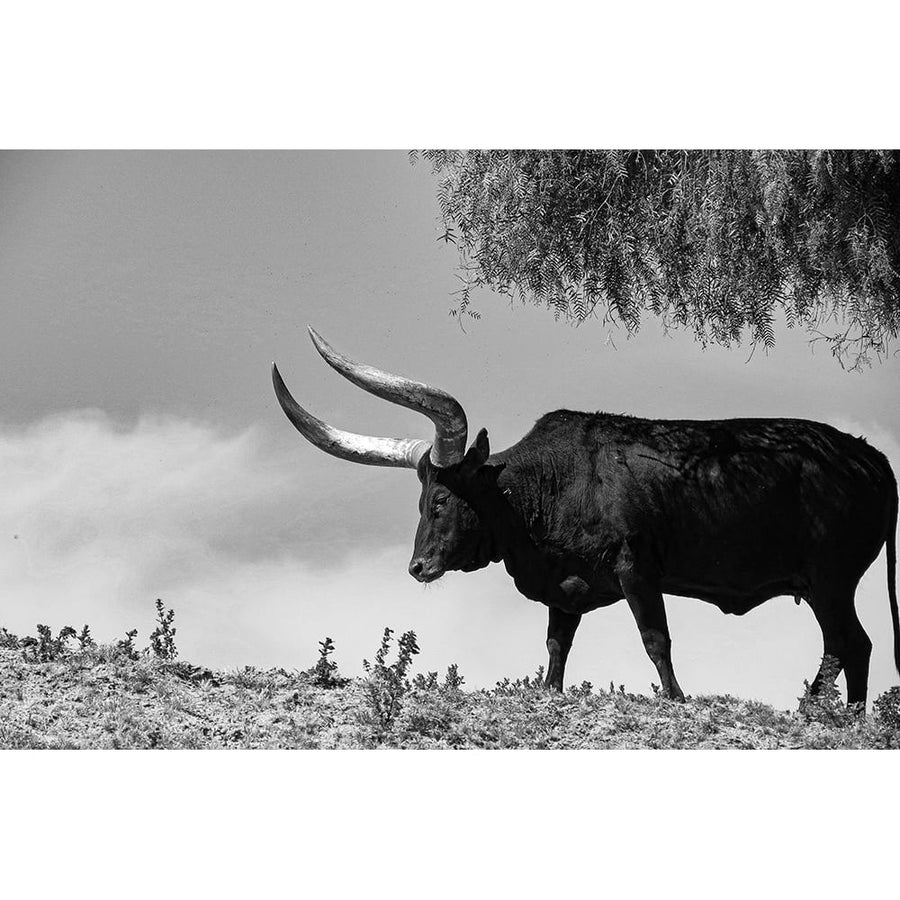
<point x="590" y="508"/>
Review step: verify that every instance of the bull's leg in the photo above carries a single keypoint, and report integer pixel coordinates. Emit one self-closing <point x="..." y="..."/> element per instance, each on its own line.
<point x="844" y="638"/>
<point x="560" y="633"/>
<point x="828" y="669"/>
<point x="857" y="653"/>
<point x="649" y="611"/>
<point x="831" y="665"/>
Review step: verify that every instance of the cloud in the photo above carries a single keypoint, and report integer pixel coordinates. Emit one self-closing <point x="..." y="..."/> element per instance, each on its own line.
<point x="78" y="482"/>
<point x="260" y="557"/>
<point x="93" y="513"/>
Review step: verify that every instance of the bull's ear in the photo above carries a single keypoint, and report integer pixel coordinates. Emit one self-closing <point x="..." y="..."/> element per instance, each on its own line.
<point x="479" y="452"/>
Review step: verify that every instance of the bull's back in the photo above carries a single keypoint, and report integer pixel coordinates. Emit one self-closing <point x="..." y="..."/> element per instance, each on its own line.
<point x="734" y="510"/>
<point x="759" y="508"/>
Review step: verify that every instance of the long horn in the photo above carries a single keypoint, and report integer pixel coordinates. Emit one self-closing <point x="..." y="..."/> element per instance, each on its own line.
<point x="361" y="448"/>
<point x="450" y="427"/>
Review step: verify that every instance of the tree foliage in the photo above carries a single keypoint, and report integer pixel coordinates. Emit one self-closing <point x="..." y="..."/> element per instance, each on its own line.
<point x="714" y="241"/>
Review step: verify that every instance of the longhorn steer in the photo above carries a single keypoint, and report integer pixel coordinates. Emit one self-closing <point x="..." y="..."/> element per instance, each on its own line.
<point x="590" y="508"/>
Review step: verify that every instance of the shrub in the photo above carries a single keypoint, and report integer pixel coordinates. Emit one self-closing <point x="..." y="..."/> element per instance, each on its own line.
<point x="453" y="681"/>
<point x="427" y="682"/>
<point x="8" y="640"/>
<point x="507" y="688"/>
<point x="386" y="685"/>
<point x="45" y="647"/>
<point x="325" y="670"/>
<point x="825" y="706"/>
<point x="162" y="638"/>
<point x="887" y="709"/>
<point x="585" y="689"/>
<point x="85" y="639"/>
<point x="126" y="646"/>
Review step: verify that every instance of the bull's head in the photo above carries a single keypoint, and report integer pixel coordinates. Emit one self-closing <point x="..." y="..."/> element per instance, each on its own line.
<point x="449" y="534"/>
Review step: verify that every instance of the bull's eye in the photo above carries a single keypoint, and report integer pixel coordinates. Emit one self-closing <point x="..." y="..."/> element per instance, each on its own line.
<point x="438" y="502"/>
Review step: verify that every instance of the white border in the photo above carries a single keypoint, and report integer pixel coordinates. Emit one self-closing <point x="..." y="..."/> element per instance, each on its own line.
<point x="469" y="74"/>
<point x="395" y="823"/>
<point x="404" y="74"/>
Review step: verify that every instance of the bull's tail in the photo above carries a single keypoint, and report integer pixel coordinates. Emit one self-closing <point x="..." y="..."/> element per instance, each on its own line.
<point x="891" y="548"/>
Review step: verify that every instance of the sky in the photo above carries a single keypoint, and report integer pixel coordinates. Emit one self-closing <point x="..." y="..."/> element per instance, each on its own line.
<point x="144" y="296"/>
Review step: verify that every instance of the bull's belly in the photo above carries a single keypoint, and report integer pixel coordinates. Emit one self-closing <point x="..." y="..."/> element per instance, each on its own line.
<point x="733" y="578"/>
<point x="737" y="574"/>
<point x="735" y="599"/>
<point x="729" y="599"/>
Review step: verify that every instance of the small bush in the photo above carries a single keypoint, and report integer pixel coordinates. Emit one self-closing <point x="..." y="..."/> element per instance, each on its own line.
<point x="162" y="638"/>
<point x="887" y="709"/>
<point x="453" y="681"/>
<point x="8" y="640"/>
<point x="85" y="639"/>
<point x="386" y="685"/>
<point x="825" y="707"/>
<point x="325" y="670"/>
<point x="427" y="682"/>
<point x="431" y="682"/>
<point x="45" y="647"/>
<point x="528" y="684"/>
<point x="585" y="689"/>
<point x="126" y="646"/>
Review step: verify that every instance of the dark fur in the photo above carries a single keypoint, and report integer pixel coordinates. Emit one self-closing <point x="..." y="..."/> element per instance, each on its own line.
<point x="588" y="509"/>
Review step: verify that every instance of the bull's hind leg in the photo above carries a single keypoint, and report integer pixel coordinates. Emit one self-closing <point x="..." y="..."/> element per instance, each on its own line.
<point x="844" y="639"/>
<point x="560" y="634"/>
<point x="649" y="610"/>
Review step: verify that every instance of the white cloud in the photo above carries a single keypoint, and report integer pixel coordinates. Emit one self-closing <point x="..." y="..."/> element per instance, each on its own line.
<point x="97" y="520"/>
<point x="75" y="484"/>
<point x="92" y="513"/>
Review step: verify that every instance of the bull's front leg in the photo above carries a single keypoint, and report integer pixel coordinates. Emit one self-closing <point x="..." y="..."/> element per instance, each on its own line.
<point x="646" y="603"/>
<point x="560" y="633"/>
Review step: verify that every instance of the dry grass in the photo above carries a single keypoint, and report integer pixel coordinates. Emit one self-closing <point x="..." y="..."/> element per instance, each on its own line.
<point x="101" y="697"/>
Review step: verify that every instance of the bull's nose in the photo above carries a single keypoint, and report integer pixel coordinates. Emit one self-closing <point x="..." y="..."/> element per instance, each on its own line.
<point x="423" y="571"/>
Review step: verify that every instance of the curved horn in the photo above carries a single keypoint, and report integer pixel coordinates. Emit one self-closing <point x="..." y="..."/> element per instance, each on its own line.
<point x="372" y="451"/>
<point x="449" y="418"/>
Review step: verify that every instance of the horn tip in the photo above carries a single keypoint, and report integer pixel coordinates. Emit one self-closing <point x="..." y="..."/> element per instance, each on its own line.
<point x="325" y="349"/>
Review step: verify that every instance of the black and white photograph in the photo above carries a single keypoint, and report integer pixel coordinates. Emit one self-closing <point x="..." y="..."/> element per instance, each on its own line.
<point x="661" y="390"/>
<point x="488" y="378"/>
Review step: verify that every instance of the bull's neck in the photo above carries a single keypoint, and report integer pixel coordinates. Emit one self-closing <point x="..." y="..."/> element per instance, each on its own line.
<point x="508" y="520"/>
<point x="520" y="510"/>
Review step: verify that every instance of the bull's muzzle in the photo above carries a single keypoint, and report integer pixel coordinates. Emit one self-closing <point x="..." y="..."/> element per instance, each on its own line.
<point x="424" y="571"/>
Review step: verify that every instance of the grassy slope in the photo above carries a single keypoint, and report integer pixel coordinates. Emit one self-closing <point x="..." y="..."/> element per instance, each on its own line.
<point x="103" y="699"/>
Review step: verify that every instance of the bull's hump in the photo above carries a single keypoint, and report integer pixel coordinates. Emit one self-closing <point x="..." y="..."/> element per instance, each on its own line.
<point x="688" y="436"/>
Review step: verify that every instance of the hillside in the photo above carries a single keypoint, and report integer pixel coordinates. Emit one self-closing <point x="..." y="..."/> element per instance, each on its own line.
<point x="118" y="697"/>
